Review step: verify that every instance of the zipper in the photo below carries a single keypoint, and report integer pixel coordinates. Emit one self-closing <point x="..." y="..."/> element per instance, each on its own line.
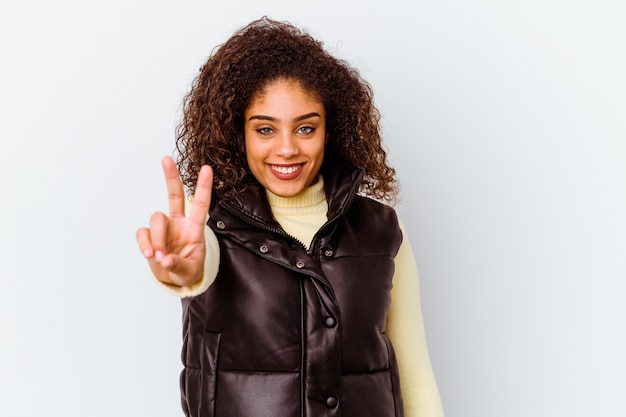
<point x="315" y="247"/>
<point x="261" y="225"/>
<point x="266" y="227"/>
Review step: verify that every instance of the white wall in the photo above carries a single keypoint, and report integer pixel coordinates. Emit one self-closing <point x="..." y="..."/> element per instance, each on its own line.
<point x="505" y="121"/>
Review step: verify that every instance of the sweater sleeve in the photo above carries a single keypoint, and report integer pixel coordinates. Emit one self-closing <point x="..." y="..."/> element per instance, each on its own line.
<point x="405" y="329"/>
<point x="211" y="265"/>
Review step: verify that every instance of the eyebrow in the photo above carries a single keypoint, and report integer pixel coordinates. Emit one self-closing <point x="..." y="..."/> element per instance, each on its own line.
<point x="273" y="119"/>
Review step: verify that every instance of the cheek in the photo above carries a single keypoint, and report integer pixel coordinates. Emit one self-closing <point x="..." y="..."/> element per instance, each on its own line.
<point x="317" y="151"/>
<point x="255" y="152"/>
<point x="248" y="146"/>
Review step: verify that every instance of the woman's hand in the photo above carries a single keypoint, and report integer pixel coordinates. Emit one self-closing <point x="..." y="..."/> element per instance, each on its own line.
<point x="174" y="246"/>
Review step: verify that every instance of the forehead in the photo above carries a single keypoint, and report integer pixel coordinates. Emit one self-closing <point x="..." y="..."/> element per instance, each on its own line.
<point x="284" y="86"/>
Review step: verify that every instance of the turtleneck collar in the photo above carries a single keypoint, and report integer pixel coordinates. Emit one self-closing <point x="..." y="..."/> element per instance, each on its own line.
<point x="311" y="200"/>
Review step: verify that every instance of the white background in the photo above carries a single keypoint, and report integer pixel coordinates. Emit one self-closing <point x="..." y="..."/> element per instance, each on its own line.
<point x="505" y="120"/>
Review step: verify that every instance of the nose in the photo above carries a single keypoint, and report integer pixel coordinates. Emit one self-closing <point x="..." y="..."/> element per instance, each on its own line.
<point x="287" y="145"/>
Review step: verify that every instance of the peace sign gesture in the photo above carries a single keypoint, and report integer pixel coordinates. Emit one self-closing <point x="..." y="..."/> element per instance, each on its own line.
<point x="174" y="245"/>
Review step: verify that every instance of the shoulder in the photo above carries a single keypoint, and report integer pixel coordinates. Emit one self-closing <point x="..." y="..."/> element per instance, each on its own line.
<point x="374" y="210"/>
<point x="374" y="222"/>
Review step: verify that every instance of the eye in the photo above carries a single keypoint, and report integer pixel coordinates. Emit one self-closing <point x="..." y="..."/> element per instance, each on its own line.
<point x="265" y="131"/>
<point x="306" y="130"/>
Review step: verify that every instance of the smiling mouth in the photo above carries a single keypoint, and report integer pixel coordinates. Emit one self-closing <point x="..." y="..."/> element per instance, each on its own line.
<point x="286" y="170"/>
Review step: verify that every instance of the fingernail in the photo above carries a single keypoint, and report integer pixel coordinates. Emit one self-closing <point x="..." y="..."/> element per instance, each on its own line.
<point x="158" y="255"/>
<point x="147" y="253"/>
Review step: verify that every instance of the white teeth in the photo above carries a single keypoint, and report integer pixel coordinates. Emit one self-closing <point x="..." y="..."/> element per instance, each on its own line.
<point x="286" y="170"/>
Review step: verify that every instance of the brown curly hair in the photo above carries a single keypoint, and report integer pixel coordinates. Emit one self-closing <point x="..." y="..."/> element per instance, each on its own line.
<point x="211" y="131"/>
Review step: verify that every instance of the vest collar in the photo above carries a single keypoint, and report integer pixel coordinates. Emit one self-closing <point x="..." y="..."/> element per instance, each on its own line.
<point x="341" y="185"/>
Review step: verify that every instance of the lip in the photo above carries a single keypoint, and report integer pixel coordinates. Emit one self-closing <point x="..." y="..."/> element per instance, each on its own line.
<point x="286" y="172"/>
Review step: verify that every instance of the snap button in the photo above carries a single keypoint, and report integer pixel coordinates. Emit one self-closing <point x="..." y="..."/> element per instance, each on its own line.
<point x="220" y="224"/>
<point x="264" y="249"/>
<point x="328" y="253"/>
<point x="330" y="321"/>
<point x="331" y="402"/>
<point x="300" y="264"/>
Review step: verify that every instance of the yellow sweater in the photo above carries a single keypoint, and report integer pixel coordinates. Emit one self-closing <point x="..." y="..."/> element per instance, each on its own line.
<point x="301" y="216"/>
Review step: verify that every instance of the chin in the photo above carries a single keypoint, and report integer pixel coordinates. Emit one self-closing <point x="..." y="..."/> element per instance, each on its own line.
<point x="286" y="191"/>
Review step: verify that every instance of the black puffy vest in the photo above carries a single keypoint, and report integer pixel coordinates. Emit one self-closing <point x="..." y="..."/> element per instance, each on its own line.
<point x="290" y="332"/>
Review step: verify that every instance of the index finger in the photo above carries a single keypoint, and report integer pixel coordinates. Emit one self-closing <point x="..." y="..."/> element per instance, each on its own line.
<point x="202" y="195"/>
<point x="175" y="192"/>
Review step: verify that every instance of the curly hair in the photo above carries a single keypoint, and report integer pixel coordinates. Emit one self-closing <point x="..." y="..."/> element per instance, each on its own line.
<point x="211" y="131"/>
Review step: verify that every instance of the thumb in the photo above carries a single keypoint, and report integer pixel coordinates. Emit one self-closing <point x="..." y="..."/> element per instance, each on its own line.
<point x="183" y="272"/>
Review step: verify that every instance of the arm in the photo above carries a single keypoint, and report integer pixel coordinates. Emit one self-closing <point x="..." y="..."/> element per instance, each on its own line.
<point x="405" y="329"/>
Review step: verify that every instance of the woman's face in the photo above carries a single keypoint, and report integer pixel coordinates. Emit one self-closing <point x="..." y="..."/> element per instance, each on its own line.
<point x="285" y="135"/>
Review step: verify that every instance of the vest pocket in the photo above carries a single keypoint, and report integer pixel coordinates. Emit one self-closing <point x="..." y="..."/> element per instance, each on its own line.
<point x="258" y="394"/>
<point x="198" y="379"/>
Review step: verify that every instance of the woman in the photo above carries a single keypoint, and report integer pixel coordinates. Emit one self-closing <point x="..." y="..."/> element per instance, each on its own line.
<point x="288" y="306"/>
